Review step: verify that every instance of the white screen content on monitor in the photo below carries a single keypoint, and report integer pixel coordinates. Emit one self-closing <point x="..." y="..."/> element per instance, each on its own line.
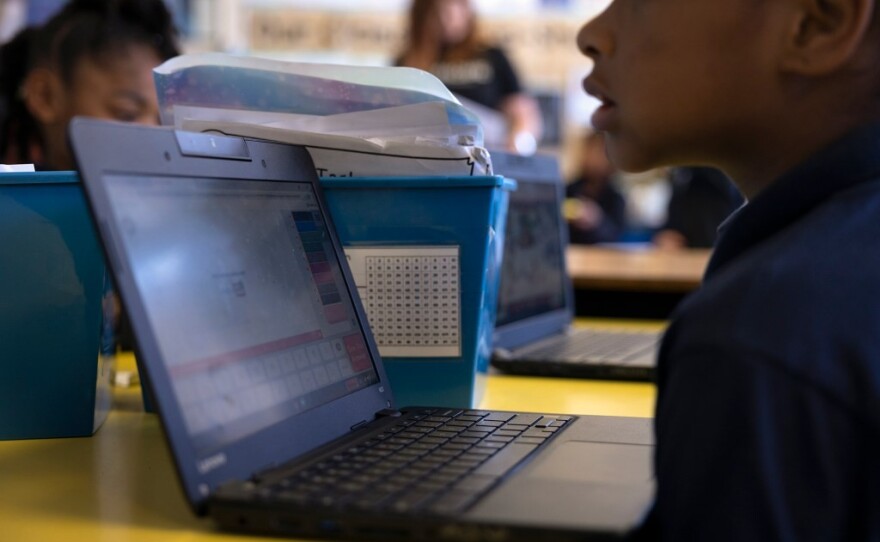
<point x="245" y="296"/>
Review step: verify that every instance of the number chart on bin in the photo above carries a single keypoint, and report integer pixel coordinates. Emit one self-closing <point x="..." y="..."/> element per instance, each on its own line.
<point x="412" y="298"/>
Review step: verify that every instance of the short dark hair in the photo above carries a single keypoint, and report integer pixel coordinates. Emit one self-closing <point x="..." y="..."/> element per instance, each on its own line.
<point x="94" y="29"/>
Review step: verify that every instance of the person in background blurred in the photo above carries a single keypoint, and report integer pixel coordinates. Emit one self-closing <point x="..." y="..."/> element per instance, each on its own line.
<point x="93" y="58"/>
<point x="443" y="39"/>
<point x="702" y="198"/>
<point x="594" y="208"/>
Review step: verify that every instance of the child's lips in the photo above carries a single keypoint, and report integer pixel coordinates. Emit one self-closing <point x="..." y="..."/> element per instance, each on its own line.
<point x="603" y="117"/>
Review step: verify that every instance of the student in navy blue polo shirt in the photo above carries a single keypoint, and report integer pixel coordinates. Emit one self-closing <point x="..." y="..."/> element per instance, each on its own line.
<point x="768" y="410"/>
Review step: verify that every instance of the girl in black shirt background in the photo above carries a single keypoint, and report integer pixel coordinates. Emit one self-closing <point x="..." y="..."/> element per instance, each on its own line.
<point x="443" y="39"/>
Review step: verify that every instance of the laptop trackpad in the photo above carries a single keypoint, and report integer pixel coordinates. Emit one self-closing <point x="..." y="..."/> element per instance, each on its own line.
<point x="578" y="484"/>
<point x="599" y="462"/>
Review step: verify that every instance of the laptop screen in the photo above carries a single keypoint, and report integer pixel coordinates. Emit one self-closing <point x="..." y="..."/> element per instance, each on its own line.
<point x="533" y="279"/>
<point x="245" y="296"/>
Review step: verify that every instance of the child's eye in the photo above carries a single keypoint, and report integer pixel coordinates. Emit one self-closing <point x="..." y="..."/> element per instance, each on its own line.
<point x="126" y="115"/>
<point x="126" y="107"/>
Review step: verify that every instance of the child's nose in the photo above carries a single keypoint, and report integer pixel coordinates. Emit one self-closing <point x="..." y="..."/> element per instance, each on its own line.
<point x="594" y="38"/>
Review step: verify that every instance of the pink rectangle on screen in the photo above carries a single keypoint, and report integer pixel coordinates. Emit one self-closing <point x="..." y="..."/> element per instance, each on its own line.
<point x="335" y="313"/>
<point x="357" y="352"/>
<point x="323" y="278"/>
<point x="199" y="365"/>
<point x="319" y="267"/>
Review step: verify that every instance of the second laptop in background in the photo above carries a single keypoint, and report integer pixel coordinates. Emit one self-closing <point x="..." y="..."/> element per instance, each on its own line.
<point x="534" y="333"/>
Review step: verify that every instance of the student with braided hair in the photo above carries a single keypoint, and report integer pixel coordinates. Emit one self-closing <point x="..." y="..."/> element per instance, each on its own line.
<point x="93" y="58"/>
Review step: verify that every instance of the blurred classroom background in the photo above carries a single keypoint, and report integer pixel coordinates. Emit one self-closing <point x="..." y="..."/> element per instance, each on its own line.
<point x="537" y="35"/>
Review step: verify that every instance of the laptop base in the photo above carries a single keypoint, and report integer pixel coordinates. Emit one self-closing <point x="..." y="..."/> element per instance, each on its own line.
<point x="572" y="370"/>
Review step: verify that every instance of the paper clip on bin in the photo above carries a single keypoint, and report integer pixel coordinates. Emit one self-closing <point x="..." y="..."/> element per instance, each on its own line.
<point x="425" y="253"/>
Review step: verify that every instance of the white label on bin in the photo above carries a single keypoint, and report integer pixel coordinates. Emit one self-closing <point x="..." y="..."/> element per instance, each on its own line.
<point x="412" y="295"/>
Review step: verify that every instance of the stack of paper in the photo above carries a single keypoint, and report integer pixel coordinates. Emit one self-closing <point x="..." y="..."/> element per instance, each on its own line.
<point x="16" y="168"/>
<point x="355" y="121"/>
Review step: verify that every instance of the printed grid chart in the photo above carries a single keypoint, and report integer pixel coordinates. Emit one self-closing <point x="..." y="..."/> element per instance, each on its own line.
<point x="412" y="296"/>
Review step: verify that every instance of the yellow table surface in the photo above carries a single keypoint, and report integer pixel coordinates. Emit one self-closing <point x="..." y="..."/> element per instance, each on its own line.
<point x="119" y="485"/>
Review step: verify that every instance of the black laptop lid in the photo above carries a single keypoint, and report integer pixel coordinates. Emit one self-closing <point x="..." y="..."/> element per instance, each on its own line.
<point x="248" y="331"/>
<point x="534" y="298"/>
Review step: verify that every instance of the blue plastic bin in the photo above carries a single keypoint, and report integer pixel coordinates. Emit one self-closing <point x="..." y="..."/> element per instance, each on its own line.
<point x="464" y="212"/>
<point x="54" y="376"/>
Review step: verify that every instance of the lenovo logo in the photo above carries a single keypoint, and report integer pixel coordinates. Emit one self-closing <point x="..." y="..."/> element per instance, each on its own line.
<point x="208" y="464"/>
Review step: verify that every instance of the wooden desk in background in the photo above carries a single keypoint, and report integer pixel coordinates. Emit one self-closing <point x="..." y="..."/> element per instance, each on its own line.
<point x="633" y="283"/>
<point x="119" y="485"/>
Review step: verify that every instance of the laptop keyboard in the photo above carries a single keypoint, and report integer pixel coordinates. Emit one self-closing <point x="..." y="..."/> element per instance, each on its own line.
<point x="592" y="346"/>
<point x="439" y="460"/>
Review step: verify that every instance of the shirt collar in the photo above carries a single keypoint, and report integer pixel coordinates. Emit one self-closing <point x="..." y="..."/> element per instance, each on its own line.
<point x="851" y="160"/>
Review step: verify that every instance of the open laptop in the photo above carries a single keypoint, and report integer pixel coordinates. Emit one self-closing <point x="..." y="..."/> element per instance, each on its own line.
<point x="273" y="399"/>
<point x="534" y="333"/>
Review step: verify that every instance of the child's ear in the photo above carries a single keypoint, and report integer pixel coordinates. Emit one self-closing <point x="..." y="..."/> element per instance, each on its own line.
<point x="44" y="95"/>
<point x="825" y="34"/>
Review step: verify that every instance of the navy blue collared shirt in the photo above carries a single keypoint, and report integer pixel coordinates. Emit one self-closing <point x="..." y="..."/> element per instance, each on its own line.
<point x="768" y="408"/>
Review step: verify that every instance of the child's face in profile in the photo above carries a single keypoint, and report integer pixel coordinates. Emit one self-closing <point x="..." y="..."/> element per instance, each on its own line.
<point x="119" y="87"/>
<point x="681" y="81"/>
